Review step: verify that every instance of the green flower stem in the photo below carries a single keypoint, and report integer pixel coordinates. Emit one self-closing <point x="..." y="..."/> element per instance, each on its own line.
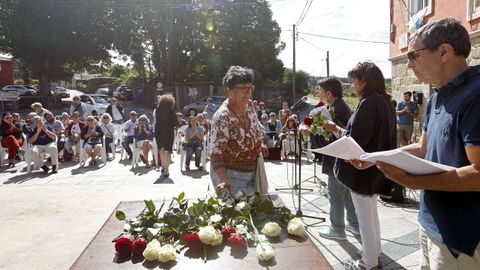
<point x="205" y="258"/>
<point x="255" y="230"/>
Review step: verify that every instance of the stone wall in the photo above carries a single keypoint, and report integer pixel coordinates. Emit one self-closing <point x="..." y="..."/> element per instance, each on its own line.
<point x="272" y="97"/>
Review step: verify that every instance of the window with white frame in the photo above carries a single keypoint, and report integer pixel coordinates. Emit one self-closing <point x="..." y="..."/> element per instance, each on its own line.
<point x="473" y="9"/>
<point x="417" y="6"/>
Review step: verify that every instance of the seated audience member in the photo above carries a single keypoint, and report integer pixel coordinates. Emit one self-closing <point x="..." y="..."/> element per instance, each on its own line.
<point x="210" y="109"/>
<point x="57" y="126"/>
<point x="28" y="125"/>
<point x="17" y="120"/>
<point x="38" y="108"/>
<point x="268" y="138"/>
<point x="290" y="142"/>
<point x="203" y="123"/>
<point x="42" y="138"/>
<point x="194" y="135"/>
<point x="108" y="130"/>
<point x="92" y="135"/>
<point x="129" y="129"/>
<point x="12" y="137"/>
<point x="144" y="136"/>
<point x="72" y="133"/>
<point x="275" y="128"/>
<point x="65" y="118"/>
<point x="181" y="121"/>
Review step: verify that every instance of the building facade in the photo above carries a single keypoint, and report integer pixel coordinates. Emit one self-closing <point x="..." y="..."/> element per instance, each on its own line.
<point x="6" y="71"/>
<point x="408" y="15"/>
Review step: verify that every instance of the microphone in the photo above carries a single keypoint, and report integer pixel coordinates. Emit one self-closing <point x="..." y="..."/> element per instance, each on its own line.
<point x="303" y="99"/>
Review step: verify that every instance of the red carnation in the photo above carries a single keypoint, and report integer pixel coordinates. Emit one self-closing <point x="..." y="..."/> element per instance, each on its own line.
<point x="308" y="121"/>
<point x="123" y="245"/>
<point x="139" y="246"/>
<point x="227" y="231"/>
<point x="320" y="104"/>
<point x="237" y="241"/>
<point x="193" y="241"/>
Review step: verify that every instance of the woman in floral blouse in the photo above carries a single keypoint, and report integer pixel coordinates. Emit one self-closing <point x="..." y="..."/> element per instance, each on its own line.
<point x="237" y="136"/>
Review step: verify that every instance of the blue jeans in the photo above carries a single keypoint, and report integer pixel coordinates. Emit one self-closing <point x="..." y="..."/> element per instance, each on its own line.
<point x="126" y="144"/>
<point x="340" y="198"/>
<point x="241" y="181"/>
<point x="198" y="155"/>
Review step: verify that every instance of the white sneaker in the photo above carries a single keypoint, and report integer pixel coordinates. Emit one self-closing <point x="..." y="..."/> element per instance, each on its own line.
<point x="329" y="233"/>
<point x="352" y="230"/>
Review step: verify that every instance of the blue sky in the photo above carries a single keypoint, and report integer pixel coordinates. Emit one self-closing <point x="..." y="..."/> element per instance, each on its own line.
<point x="351" y="19"/>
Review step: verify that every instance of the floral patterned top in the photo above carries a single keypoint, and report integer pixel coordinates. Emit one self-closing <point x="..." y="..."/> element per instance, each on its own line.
<point x="236" y="140"/>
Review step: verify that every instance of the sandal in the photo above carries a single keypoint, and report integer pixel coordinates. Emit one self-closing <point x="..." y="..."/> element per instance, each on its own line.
<point x="356" y="265"/>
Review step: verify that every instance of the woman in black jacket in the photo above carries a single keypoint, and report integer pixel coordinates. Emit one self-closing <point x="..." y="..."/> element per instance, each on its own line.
<point x="373" y="127"/>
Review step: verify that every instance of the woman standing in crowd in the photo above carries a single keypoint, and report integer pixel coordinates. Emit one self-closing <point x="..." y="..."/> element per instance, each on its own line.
<point x="237" y="136"/>
<point x="144" y="135"/>
<point x="165" y="124"/>
<point x="194" y="143"/>
<point x="11" y="137"/>
<point x="73" y="132"/>
<point x="92" y="135"/>
<point x="289" y="140"/>
<point x="373" y="127"/>
<point x="108" y="130"/>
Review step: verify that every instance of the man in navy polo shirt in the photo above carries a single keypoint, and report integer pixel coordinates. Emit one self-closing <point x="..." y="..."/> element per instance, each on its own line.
<point x="43" y="140"/>
<point x="450" y="201"/>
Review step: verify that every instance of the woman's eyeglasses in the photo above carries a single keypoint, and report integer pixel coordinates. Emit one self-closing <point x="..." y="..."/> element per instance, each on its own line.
<point x="413" y="55"/>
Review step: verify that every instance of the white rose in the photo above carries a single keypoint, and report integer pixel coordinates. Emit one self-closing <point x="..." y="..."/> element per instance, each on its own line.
<point x="296" y="227"/>
<point x="151" y="251"/>
<point x="271" y="229"/>
<point x="210" y="236"/>
<point x="265" y="251"/>
<point x="167" y="253"/>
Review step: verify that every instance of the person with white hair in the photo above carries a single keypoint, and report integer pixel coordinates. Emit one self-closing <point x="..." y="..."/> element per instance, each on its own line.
<point x="42" y="138"/>
<point x="92" y="135"/>
<point x="108" y="129"/>
<point x="38" y="108"/>
<point x="78" y="106"/>
<point x="143" y="134"/>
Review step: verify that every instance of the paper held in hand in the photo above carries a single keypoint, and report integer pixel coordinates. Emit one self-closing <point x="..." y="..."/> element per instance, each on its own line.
<point x="347" y="148"/>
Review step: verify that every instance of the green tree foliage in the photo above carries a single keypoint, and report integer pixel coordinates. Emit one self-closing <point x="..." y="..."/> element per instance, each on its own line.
<point x="302" y="82"/>
<point x="55" y="38"/>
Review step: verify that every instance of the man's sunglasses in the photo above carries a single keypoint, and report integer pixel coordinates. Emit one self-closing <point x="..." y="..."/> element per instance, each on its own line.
<point x="413" y="55"/>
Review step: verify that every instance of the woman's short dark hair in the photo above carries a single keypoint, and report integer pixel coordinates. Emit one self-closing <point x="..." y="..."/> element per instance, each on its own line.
<point x="237" y="75"/>
<point x="332" y="85"/>
<point x="448" y="30"/>
<point x="372" y="76"/>
<point x="166" y="101"/>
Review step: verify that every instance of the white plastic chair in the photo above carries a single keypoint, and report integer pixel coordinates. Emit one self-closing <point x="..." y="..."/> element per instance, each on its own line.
<point x="203" y="158"/>
<point x="84" y="156"/>
<point x="178" y="138"/>
<point x="29" y="155"/>
<point x="137" y="152"/>
<point x="3" y="153"/>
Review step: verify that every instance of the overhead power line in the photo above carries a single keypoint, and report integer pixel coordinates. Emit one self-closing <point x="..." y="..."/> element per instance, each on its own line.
<point x="313" y="45"/>
<point x="305" y="10"/>
<point x="344" y="38"/>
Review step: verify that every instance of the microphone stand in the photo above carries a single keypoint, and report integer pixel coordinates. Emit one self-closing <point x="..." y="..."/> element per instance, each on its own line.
<point x="298" y="184"/>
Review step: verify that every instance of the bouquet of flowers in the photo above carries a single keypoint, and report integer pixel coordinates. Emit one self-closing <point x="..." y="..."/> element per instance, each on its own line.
<point x="317" y="122"/>
<point x="160" y="235"/>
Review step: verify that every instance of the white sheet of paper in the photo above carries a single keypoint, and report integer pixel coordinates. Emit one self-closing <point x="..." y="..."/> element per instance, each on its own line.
<point x="407" y="162"/>
<point x="344" y="148"/>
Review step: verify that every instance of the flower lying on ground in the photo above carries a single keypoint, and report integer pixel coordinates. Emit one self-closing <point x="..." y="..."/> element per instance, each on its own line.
<point x="193" y="241"/>
<point x="227" y="231"/>
<point x="123" y="245"/>
<point x="151" y="251"/>
<point x="296" y="227"/>
<point x="271" y="229"/>
<point x="167" y="253"/>
<point x="210" y="236"/>
<point x="265" y="251"/>
<point x="237" y="241"/>
<point x="139" y="246"/>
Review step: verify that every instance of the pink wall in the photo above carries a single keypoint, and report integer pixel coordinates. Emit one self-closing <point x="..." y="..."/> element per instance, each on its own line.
<point x="440" y="9"/>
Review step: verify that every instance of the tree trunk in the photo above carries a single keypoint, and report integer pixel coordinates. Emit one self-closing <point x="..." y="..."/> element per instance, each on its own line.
<point x="25" y="75"/>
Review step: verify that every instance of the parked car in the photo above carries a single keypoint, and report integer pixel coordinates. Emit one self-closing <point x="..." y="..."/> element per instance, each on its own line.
<point x="199" y="106"/>
<point x="22" y="90"/>
<point x="61" y="92"/>
<point x="95" y="103"/>
<point x="103" y="91"/>
<point x="123" y="93"/>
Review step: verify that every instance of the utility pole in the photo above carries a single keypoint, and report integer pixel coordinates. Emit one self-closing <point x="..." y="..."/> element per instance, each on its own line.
<point x="293" y="69"/>
<point x="328" y="63"/>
